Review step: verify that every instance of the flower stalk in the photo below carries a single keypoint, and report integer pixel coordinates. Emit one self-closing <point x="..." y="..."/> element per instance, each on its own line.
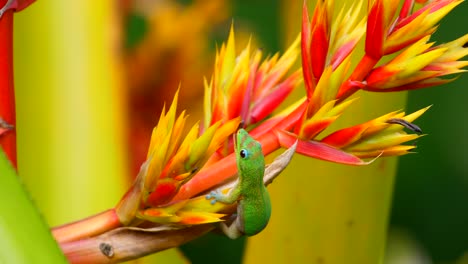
<point x="7" y="92"/>
<point x="7" y="95"/>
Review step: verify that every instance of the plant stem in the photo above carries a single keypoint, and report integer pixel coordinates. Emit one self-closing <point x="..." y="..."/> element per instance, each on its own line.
<point x="7" y="96"/>
<point x="128" y="243"/>
<point x="88" y="227"/>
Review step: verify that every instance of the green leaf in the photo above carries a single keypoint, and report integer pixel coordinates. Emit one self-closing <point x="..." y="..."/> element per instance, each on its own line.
<point x="25" y="238"/>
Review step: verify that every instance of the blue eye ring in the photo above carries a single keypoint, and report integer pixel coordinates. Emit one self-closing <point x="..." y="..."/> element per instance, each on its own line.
<point x="243" y="153"/>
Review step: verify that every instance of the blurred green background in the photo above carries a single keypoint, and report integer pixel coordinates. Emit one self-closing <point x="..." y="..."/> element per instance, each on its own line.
<point x="431" y="192"/>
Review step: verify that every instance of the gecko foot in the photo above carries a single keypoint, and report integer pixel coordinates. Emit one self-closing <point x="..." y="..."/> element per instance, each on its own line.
<point x="213" y="195"/>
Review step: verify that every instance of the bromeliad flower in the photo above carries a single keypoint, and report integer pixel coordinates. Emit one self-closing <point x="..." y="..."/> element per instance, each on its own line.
<point x="418" y="65"/>
<point x="173" y="158"/>
<point x="328" y="84"/>
<point x="245" y="90"/>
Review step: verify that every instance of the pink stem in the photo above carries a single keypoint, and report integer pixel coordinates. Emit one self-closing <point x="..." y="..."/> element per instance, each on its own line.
<point x="88" y="227"/>
<point x="7" y="95"/>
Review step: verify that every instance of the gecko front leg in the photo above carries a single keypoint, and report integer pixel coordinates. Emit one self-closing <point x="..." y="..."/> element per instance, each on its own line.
<point x="234" y="230"/>
<point x="218" y="196"/>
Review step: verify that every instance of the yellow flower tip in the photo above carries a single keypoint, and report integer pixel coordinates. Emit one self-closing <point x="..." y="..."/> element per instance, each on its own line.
<point x="197" y="218"/>
<point x="456" y="50"/>
<point x="199" y="146"/>
<point x="227" y="57"/>
<point x="399" y="150"/>
<point x="383" y="135"/>
<point x="417" y="114"/>
<point x="222" y="134"/>
<point x="198" y="210"/>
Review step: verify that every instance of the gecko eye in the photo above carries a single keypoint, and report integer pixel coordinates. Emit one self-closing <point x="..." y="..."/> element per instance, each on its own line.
<point x="244" y="153"/>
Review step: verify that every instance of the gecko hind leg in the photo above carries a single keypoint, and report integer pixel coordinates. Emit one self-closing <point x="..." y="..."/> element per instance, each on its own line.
<point x="231" y="231"/>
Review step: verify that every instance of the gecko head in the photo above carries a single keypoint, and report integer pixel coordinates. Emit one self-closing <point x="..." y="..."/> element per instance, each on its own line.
<point x="246" y="147"/>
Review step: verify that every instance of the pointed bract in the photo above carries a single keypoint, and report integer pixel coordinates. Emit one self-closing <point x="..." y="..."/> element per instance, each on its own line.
<point x="245" y="87"/>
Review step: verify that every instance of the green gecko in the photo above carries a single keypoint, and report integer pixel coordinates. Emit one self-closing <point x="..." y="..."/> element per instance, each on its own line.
<point x="254" y="206"/>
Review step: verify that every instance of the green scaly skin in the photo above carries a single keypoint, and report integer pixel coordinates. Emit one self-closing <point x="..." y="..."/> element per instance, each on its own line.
<point x="254" y="207"/>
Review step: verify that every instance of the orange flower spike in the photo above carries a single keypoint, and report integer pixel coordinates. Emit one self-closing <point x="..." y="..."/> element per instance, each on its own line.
<point x="227" y="60"/>
<point x="176" y="135"/>
<point x="418" y="25"/>
<point x="318" y="150"/>
<point x="326" y="115"/>
<point x="375" y="32"/>
<point x="173" y="214"/>
<point x="347" y="136"/>
<point x="236" y="90"/>
<point x="188" y="159"/>
<point x="381" y="141"/>
<point x="409" y="118"/>
<point x="406" y="67"/>
<point x="160" y="140"/>
<point x="345" y="34"/>
<point x="419" y="66"/>
<point x="251" y="90"/>
<point x="378" y="136"/>
<point x="254" y="78"/>
<point x="266" y="105"/>
<point x="221" y="135"/>
<point x="388" y="152"/>
<point x="176" y="165"/>
<point x="198" y="148"/>
<point x="406" y="9"/>
<point x="214" y="103"/>
<point x="320" y="37"/>
<point x="378" y="23"/>
<point x="208" y="98"/>
<point x="309" y="80"/>
<point x="270" y="85"/>
<point x="379" y="20"/>
<point x="173" y="175"/>
<point x="447" y="63"/>
<point x="456" y="50"/>
<point x="161" y="212"/>
<point x="183" y="217"/>
<point x="329" y="84"/>
<point x="272" y="70"/>
<point x="197" y="210"/>
<point x="198" y="218"/>
<point x="316" y="118"/>
<point x="226" y="78"/>
<point x="211" y="140"/>
<point x="315" y="42"/>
